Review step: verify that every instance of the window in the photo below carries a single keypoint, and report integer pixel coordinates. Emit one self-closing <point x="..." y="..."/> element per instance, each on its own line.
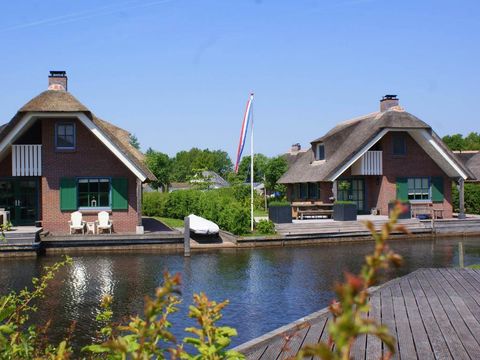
<point x="312" y="190"/>
<point x="303" y="190"/>
<point x="94" y="193"/>
<point x="320" y="155"/>
<point x="65" y="136"/>
<point x="399" y="145"/>
<point x="419" y="188"/>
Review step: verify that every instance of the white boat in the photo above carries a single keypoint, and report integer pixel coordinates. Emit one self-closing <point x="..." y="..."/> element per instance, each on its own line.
<point x="202" y="226"/>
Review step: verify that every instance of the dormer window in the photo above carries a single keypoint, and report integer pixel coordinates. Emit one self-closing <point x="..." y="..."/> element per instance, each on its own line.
<point x="65" y="136"/>
<point x="320" y="152"/>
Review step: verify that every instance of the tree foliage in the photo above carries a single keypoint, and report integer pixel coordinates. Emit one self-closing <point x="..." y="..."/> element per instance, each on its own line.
<point x="186" y="162"/>
<point x="459" y="142"/>
<point x="134" y="141"/>
<point x="161" y="166"/>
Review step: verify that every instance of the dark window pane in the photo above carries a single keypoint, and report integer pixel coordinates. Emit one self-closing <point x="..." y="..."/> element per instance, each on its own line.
<point x="320" y="152"/>
<point x="399" y="144"/>
<point x="65" y="136"/>
<point x="103" y="199"/>
<point x="83" y="199"/>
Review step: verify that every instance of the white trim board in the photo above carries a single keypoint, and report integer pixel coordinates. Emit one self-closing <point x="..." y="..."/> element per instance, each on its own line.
<point x="27" y="118"/>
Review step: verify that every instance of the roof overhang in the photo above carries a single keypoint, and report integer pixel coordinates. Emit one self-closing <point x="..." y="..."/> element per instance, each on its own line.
<point x="27" y="120"/>
<point x="425" y="140"/>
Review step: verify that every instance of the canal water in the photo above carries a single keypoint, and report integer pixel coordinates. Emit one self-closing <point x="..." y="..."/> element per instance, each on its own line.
<point x="267" y="288"/>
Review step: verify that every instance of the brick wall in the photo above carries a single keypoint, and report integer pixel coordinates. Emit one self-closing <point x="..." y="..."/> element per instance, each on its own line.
<point x="416" y="163"/>
<point x="90" y="159"/>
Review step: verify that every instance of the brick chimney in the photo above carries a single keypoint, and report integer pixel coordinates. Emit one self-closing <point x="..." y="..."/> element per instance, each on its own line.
<point x="387" y="102"/>
<point x="57" y="80"/>
<point x="295" y="148"/>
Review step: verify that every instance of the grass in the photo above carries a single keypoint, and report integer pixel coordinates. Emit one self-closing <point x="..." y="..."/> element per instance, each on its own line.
<point x="173" y="223"/>
<point x="260" y="212"/>
<point x="475" y="267"/>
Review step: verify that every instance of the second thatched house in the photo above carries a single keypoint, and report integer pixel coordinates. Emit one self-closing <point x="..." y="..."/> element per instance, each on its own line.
<point x="375" y="159"/>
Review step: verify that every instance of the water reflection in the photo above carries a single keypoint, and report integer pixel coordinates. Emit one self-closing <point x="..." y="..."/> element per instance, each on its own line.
<point x="267" y="288"/>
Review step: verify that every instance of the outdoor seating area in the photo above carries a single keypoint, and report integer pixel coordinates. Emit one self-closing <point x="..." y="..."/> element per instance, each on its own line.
<point x="102" y="225"/>
<point x="311" y="209"/>
<point x="427" y="210"/>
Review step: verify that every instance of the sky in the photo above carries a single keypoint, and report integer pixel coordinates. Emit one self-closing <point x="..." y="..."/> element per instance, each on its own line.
<point x="177" y="73"/>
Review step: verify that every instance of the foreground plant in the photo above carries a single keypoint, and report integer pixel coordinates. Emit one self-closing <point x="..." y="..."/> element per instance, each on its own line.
<point x="18" y="340"/>
<point x="211" y="341"/>
<point x="150" y="338"/>
<point x="351" y="307"/>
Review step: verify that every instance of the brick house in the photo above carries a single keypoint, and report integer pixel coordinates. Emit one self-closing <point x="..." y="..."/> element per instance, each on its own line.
<point x="57" y="157"/>
<point x="375" y="159"/>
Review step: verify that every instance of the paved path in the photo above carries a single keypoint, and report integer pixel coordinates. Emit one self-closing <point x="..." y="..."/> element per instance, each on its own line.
<point x="433" y="313"/>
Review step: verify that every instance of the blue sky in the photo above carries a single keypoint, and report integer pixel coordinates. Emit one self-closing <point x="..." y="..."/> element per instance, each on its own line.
<point x="177" y="73"/>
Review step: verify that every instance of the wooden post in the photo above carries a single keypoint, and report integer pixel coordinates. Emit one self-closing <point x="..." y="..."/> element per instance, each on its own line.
<point x="461" y="198"/>
<point x="460" y="255"/>
<point x="186" y="237"/>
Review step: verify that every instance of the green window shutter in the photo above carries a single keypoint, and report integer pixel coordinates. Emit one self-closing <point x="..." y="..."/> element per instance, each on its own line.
<point x="402" y="189"/>
<point x="119" y="194"/>
<point x="68" y="194"/>
<point x="437" y="189"/>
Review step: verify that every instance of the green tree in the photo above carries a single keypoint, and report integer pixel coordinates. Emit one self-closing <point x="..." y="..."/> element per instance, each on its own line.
<point x="454" y="142"/>
<point x="161" y="166"/>
<point x="134" y="141"/>
<point x="260" y="162"/>
<point x="185" y="163"/>
<point x="457" y="142"/>
<point x="274" y="169"/>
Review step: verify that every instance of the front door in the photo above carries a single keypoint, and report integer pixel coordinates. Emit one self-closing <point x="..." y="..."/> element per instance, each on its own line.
<point x="355" y="192"/>
<point x="20" y="197"/>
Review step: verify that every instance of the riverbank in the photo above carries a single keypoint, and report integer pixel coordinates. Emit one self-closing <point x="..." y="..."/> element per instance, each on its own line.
<point x="163" y="238"/>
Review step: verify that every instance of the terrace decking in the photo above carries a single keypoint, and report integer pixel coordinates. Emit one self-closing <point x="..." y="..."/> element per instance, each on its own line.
<point x="432" y="313"/>
<point x="324" y="227"/>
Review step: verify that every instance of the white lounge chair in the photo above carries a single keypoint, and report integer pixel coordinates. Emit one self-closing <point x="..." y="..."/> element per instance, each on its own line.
<point x="76" y="223"/>
<point x="104" y="222"/>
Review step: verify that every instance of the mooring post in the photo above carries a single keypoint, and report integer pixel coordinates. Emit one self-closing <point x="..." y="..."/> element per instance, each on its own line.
<point x="186" y="237"/>
<point x="460" y="254"/>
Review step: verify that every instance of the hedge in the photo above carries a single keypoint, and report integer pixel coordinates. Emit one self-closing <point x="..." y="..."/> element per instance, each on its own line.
<point x="472" y="198"/>
<point x="225" y="207"/>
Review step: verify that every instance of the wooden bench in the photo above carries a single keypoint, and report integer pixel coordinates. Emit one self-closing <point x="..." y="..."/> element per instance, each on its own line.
<point x="311" y="208"/>
<point x="428" y="210"/>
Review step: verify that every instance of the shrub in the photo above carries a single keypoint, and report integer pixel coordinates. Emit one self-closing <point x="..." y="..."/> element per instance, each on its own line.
<point x="235" y="218"/>
<point x="344" y="202"/>
<point x="265" y="227"/>
<point x="278" y="203"/>
<point x="472" y="198"/>
<point x="154" y="203"/>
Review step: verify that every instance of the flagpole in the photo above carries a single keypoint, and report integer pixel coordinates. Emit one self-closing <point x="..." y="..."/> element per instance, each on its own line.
<point x="251" y="166"/>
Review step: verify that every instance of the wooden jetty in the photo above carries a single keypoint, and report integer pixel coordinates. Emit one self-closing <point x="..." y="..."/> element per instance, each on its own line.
<point x="433" y="314"/>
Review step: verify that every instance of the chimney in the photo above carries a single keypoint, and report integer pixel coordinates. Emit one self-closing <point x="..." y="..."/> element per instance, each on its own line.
<point x="387" y="102"/>
<point x="57" y="80"/>
<point x="295" y="148"/>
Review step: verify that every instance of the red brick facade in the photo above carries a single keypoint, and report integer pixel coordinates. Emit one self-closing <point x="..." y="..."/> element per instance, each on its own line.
<point x="91" y="158"/>
<point x="380" y="190"/>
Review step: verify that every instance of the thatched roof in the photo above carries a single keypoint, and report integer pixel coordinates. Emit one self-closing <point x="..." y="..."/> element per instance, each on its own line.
<point x="471" y="159"/>
<point x="347" y="139"/>
<point x="63" y="101"/>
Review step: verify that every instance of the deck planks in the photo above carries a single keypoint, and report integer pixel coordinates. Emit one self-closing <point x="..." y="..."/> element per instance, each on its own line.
<point x="432" y="313"/>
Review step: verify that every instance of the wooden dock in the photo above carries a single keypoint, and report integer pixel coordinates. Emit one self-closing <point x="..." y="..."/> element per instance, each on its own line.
<point x="330" y="228"/>
<point x="433" y="313"/>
